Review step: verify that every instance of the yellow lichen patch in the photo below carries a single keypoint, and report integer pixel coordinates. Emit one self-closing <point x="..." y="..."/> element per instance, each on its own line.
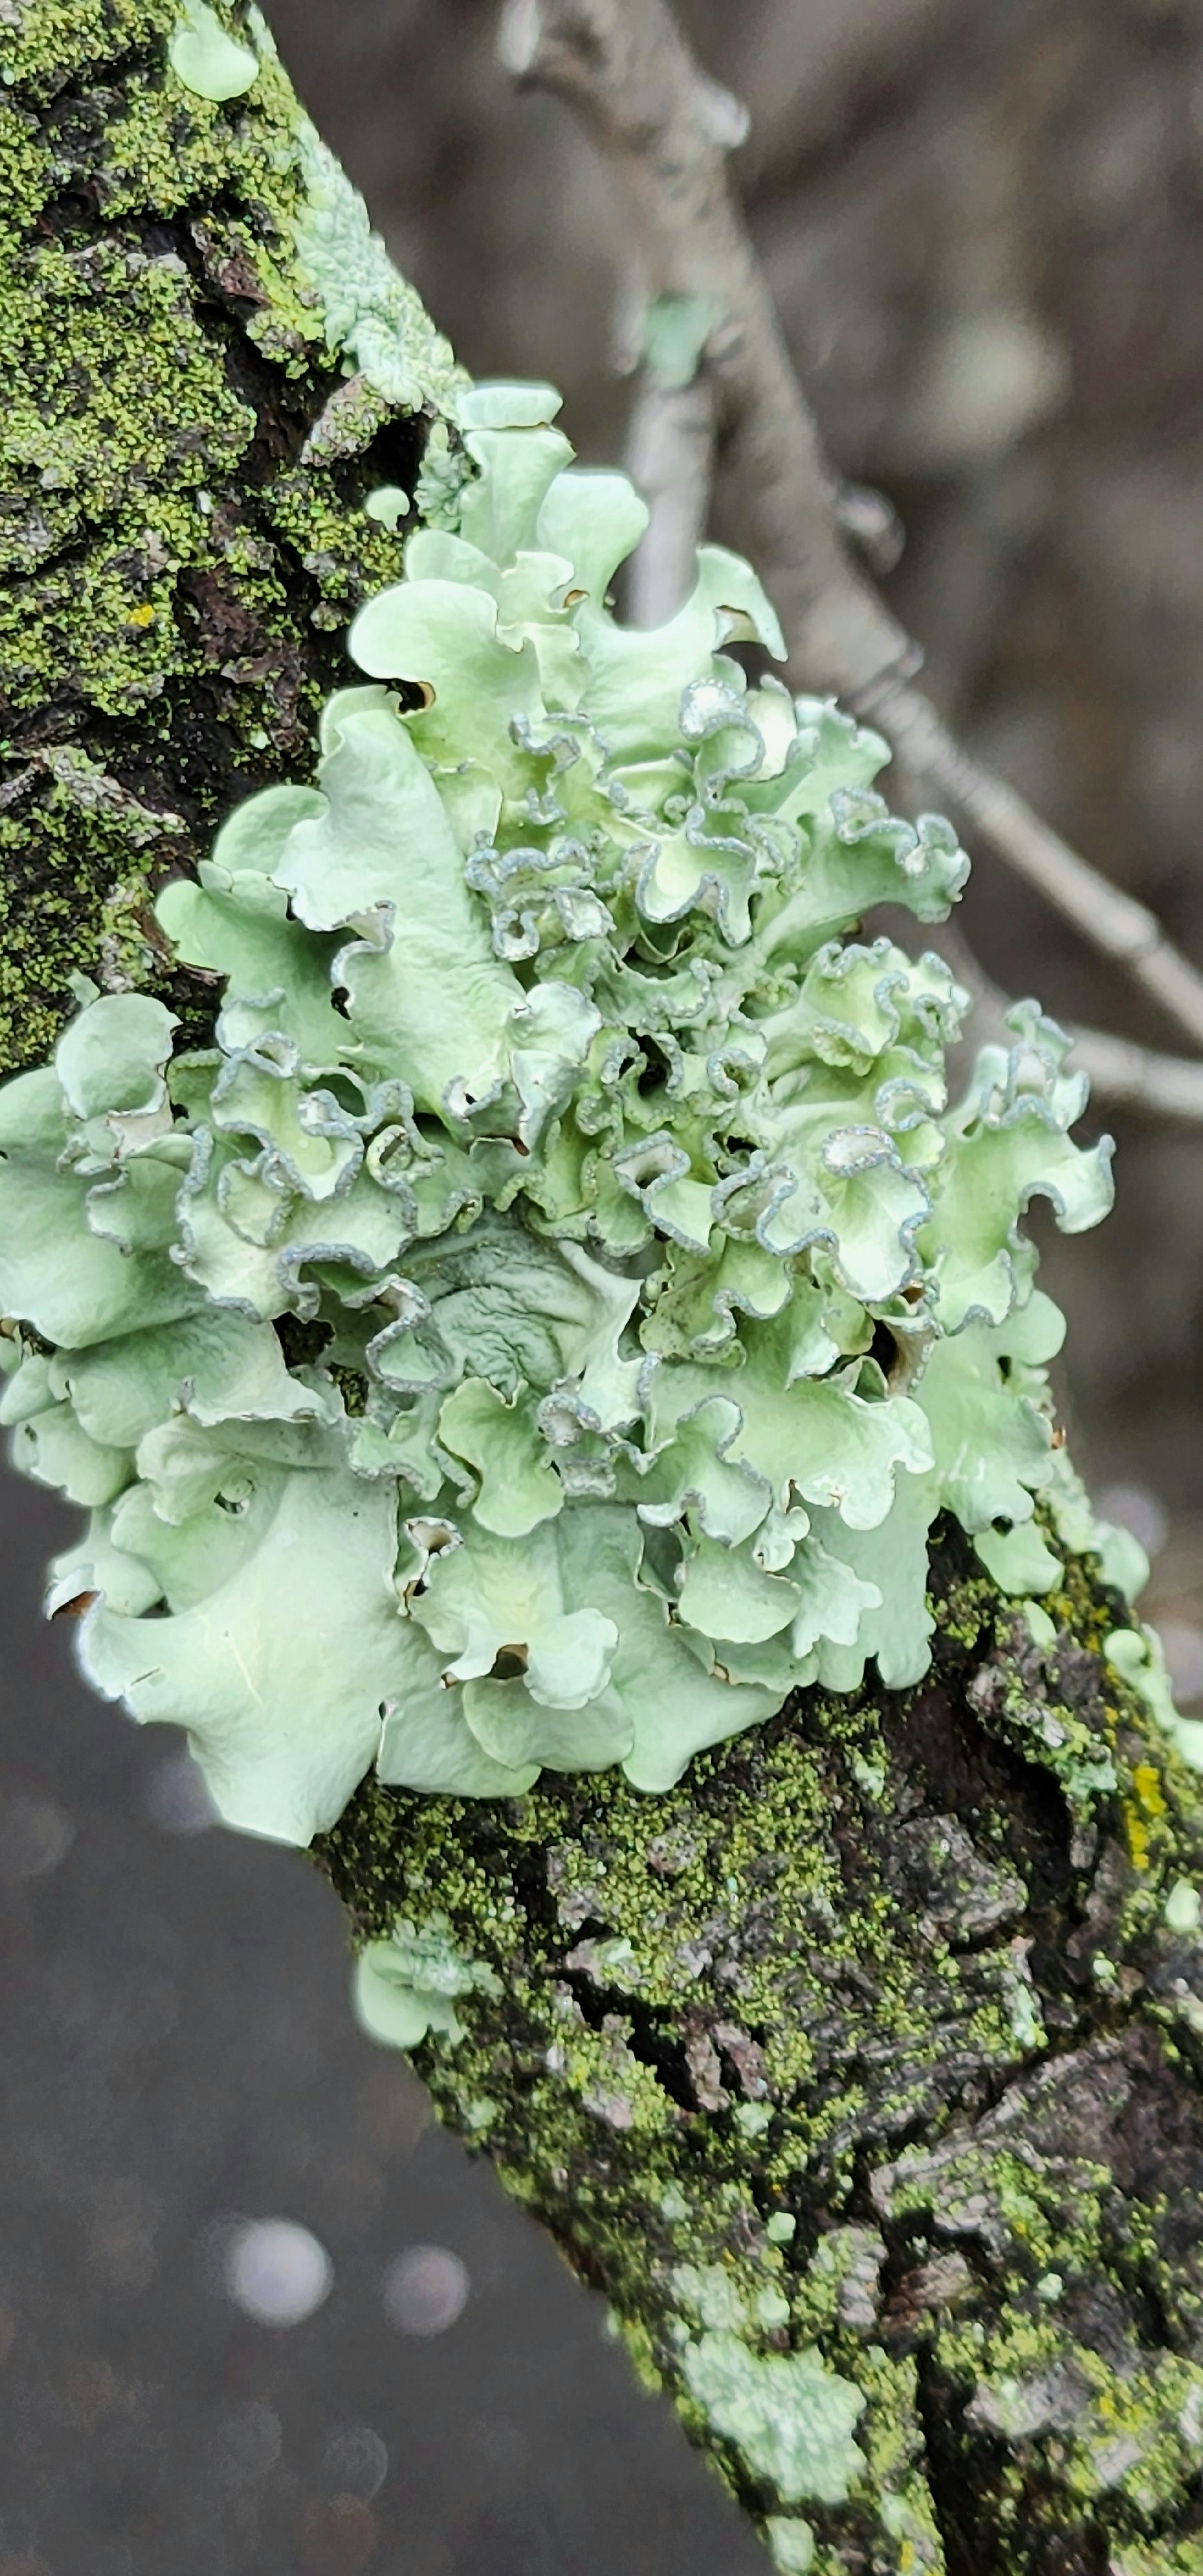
<point x="1143" y="1810"/>
<point x="1147" y="1786"/>
<point x="1137" y="1835"/>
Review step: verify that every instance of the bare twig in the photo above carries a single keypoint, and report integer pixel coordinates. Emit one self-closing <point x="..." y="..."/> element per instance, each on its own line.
<point x="670" y="452"/>
<point x="1133" y="1077"/>
<point x="668" y="130"/>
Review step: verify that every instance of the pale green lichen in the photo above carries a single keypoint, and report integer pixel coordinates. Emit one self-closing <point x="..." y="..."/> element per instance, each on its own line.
<point x="550" y="2123"/>
<point x="445" y="469"/>
<point x="371" y="313"/>
<point x="675" y="331"/>
<point x="658" y="1300"/>
<point x="1041" y="1628"/>
<point x="1138" y="1656"/>
<point x="789" y="2416"/>
<point x="1183" y="1907"/>
<point x="207" y="60"/>
<point x="388" y="504"/>
<point x="711" y="2295"/>
<point x="791" y="2544"/>
<point x="406" y="1988"/>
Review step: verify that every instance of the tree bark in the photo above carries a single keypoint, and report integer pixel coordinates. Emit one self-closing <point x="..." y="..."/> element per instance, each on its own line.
<point x="183" y="464"/>
<point x="871" y="2035"/>
<point x="873" y="2040"/>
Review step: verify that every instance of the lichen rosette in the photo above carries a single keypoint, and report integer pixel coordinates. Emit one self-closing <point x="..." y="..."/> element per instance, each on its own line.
<point x="543" y="1326"/>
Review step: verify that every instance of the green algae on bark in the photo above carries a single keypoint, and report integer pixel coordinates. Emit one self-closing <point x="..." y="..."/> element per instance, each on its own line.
<point x="184" y="456"/>
<point x="867" y="2049"/>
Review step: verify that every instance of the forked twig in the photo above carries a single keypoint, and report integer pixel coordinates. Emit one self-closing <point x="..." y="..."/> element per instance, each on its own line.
<point x="668" y="130"/>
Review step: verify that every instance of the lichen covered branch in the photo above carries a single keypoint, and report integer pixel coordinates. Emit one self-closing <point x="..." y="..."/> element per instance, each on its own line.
<point x="859" y="2072"/>
<point x="208" y="368"/>
<point x="553" y="1312"/>
<point x="856" y="2068"/>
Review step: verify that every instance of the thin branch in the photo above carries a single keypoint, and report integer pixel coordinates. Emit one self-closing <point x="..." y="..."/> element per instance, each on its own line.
<point x="1133" y="1077"/>
<point x="667" y="130"/>
<point x="1112" y="921"/>
<point x="670" y="455"/>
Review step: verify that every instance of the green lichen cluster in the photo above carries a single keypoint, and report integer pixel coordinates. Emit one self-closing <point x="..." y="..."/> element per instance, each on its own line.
<point x="554" y="1094"/>
<point x="860" y="2069"/>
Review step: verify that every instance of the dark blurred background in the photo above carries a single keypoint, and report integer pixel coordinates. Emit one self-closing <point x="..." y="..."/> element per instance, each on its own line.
<point x="984" y="223"/>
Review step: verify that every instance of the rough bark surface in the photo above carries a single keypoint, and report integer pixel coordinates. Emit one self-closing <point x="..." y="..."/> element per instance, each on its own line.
<point x="183" y="461"/>
<point x="872" y="2039"/>
<point x="871" y="2036"/>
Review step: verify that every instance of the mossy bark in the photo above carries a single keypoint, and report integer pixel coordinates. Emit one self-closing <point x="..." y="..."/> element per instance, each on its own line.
<point x="183" y="463"/>
<point x="872" y="2036"/>
<point x="872" y="2041"/>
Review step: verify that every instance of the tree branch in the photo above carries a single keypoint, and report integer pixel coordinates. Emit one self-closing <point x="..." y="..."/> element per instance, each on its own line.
<point x="1112" y="921"/>
<point x="759" y="2049"/>
<point x="1135" y="1077"/>
<point x="670" y="451"/>
<point x="667" y="130"/>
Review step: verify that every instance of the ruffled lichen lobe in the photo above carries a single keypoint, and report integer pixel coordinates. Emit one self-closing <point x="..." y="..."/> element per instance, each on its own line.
<point x="567" y="1231"/>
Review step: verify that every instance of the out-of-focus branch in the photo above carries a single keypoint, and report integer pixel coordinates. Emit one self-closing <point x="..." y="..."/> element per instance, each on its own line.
<point x="1134" y="1077"/>
<point x="670" y="454"/>
<point x="667" y="130"/>
<point x="1112" y="921"/>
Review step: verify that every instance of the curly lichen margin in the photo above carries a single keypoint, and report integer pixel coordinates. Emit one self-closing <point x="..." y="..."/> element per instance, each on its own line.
<point x="1138" y="1898"/>
<point x="554" y="1094"/>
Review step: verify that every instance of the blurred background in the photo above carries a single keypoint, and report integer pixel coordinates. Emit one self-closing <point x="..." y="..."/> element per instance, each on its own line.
<point x="258" y="2319"/>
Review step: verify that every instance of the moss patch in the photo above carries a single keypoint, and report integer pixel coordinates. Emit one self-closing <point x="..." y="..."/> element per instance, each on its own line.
<point x="810" y="2054"/>
<point x="183" y="464"/>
